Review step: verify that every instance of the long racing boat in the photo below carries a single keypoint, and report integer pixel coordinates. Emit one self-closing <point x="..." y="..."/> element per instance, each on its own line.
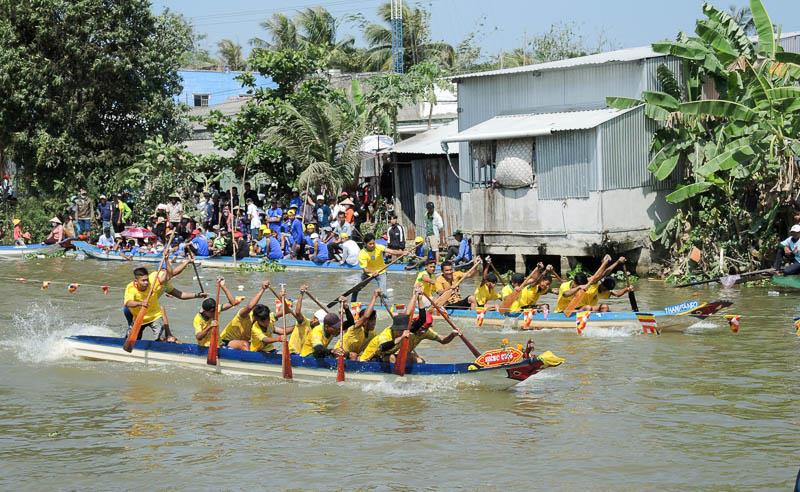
<point x="496" y="369"/>
<point x="17" y="251"/>
<point x="674" y="318"/>
<point x="96" y="253"/>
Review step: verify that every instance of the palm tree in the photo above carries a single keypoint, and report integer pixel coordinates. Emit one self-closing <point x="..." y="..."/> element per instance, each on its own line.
<point x="282" y="31"/>
<point x="417" y="44"/>
<point x="322" y="142"/>
<point x="230" y="54"/>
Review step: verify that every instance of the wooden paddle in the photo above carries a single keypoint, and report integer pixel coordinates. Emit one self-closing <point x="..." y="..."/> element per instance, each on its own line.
<point x="453" y="288"/>
<point x="574" y="302"/>
<point x="340" y="356"/>
<point x="765" y="271"/>
<point x="316" y="301"/>
<point x="386" y="305"/>
<point x="446" y="317"/>
<point x="137" y="323"/>
<point x="363" y="283"/>
<point x="197" y="276"/>
<point x="213" y="346"/>
<point x="402" y="354"/>
<point x="286" y="357"/>
<point x="631" y="294"/>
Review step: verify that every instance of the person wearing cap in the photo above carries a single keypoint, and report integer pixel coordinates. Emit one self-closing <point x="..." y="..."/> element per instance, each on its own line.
<point x="296" y="231"/>
<point x="349" y="211"/>
<point x="199" y="243"/>
<point x="319" y="250"/>
<point x="137" y="297"/>
<point x="371" y="261"/>
<point x="174" y="210"/>
<point x="84" y="212"/>
<point x="237" y="334"/>
<point x="338" y="207"/>
<point x="322" y="212"/>
<point x="274" y="215"/>
<point x="310" y="229"/>
<point x="262" y="240"/>
<point x="341" y="225"/>
<point x="789" y="249"/>
<point x="104" y="212"/>
<point x="421" y="254"/>
<point x="19" y="236"/>
<point x="350" y="250"/>
<point x="106" y="240"/>
<point x="434" y="229"/>
<point x="204" y="321"/>
<point x="319" y="337"/>
<point x="57" y="233"/>
<point x="273" y="250"/>
<point x="357" y="337"/>
<point x="295" y="200"/>
<point x="461" y="253"/>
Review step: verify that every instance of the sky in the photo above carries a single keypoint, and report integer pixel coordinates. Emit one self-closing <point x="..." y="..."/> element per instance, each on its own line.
<point x="503" y="24"/>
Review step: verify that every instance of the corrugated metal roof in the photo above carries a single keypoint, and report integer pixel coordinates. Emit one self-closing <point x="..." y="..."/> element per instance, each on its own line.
<point x="534" y="125"/>
<point x="628" y="54"/>
<point x="429" y="142"/>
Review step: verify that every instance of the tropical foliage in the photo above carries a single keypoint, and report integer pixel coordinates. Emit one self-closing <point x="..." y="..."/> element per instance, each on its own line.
<point x="729" y="137"/>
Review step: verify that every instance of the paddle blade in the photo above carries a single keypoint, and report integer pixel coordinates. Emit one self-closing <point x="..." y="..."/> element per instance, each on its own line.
<point x="286" y="360"/>
<point x="573" y="305"/>
<point x="213" y="348"/>
<point x="402" y="357"/>
<point x="340" y="369"/>
<point x="135" y="330"/>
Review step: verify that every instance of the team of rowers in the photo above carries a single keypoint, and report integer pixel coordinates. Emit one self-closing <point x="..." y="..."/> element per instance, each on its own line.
<point x="256" y="327"/>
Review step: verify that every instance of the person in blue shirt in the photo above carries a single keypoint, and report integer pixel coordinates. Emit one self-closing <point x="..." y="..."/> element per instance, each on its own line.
<point x="310" y="229"/>
<point x="295" y="201"/>
<point x="296" y="230"/>
<point x="287" y="245"/>
<point x="199" y="243"/>
<point x="274" y="250"/>
<point x="461" y="253"/>
<point x="274" y="215"/>
<point x="789" y="248"/>
<point x="104" y="212"/>
<point x="262" y="243"/>
<point x="319" y="250"/>
<point x="322" y="212"/>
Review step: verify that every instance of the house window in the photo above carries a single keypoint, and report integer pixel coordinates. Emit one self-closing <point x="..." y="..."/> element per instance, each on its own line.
<point x="200" y="100"/>
<point x="484" y="156"/>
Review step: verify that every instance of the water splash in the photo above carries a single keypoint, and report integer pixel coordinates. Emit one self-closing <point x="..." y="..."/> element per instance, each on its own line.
<point x="37" y="336"/>
<point x="701" y="326"/>
<point x="610" y="332"/>
<point x="401" y="387"/>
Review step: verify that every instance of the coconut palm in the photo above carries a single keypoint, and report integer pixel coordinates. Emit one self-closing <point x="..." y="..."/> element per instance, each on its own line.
<point x="417" y="44"/>
<point x="282" y="31"/>
<point x="322" y="142"/>
<point x="230" y="54"/>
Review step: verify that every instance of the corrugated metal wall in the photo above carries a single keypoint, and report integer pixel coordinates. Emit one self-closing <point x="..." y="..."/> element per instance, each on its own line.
<point x="625" y="151"/>
<point x="434" y="182"/>
<point x="404" y="188"/>
<point x="566" y="164"/>
<point x="791" y="44"/>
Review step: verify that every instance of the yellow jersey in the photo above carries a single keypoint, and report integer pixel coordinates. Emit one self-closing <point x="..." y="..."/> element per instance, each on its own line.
<point x="372" y="261"/>
<point x="564" y="301"/>
<point x="373" y="348"/>
<point x="299" y="335"/>
<point x="516" y="306"/>
<point x="483" y="294"/>
<point x="416" y="338"/>
<point x="530" y="295"/>
<point x="239" y="328"/>
<point x="355" y="339"/>
<point x="257" y="332"/>
<point x="200" y="323"/>
<point x="153" y="311"/>
<point x="316" y="336"/>
<point x="595" y="295"/>
<point x="427" y="287"/>
<point x="442" y="285"/>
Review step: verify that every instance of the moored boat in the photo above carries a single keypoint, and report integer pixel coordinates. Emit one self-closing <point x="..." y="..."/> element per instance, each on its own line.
<point x="786" y="281"/>
<point x="13" y="251"/>
<point x="305" y="369"/>
<point x="673" y="318"/>
<point x="96" y="253"/>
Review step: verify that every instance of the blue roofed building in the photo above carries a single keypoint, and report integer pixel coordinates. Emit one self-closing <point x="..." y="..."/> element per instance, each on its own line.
<point x="203" y="88"/>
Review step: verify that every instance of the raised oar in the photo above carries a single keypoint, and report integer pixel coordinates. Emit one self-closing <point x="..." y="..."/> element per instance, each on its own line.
<point x="286" y="357"/>
<point x="766" y="271"/>
<point x="573" y="304"/>
<point x="137" y="323"/>
<point x="386" y="305"/>
<point x="213" y="346"/>
<point x="340" y="356"/>
<point x="631" y="295"/>
<point x="402" y="354"/>
<point x="446" y="317"/>
<point x="316" y="301"/>
<point x="197" y="275"/>
<point x="363" y="283"/>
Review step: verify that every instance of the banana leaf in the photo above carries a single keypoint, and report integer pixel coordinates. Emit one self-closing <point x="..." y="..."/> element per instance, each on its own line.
<point x="666" y="167"/>
<point x="719" y="108"/>
<point x="784" y="92"/>
<point x="690" y="50"/>
<point x="707" y="30"/>
<point x="661" y="99"/>
<point x="688" y="191"/>
<point x="788" y="57"/>
<point x="766" y="33"/>
<point x="732" y="29"/>
<point x="623" y="102"/>
<point x="736" y="155"/>
<point x="656" y="112"/>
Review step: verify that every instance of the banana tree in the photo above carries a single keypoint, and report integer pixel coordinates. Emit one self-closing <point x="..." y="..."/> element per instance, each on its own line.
<point x="729" y="134"/>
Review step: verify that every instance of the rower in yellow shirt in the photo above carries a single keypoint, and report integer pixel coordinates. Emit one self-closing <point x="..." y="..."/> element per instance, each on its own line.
<point x="485" y="291"/>
<point x="357" y="336"/>
<point x="605" y="290"/>
<point x="238" y="332"/>
<point x="588" y="286"/>
<point x="370" y="259"/>
<point x="204" y="321"/>
<point x="265" y="332"/>
<point x="135" y="298"/>
<point x="317" y="340"/>
<point x="426" y="279"/>
<point x="448" y="286"/>
<point x="303" y="325"/>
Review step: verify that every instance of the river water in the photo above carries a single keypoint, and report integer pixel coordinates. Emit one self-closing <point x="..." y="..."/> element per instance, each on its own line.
<point x="706" y="409"/>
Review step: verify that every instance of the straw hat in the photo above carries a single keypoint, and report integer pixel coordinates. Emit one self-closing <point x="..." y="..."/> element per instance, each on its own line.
<point x="16" y="221"/>
<point x="347" y="201"/>
<point x="55" y="220"/>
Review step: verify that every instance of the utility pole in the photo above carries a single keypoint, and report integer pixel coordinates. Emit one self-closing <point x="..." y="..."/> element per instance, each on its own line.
<point x="397" y="35"/>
